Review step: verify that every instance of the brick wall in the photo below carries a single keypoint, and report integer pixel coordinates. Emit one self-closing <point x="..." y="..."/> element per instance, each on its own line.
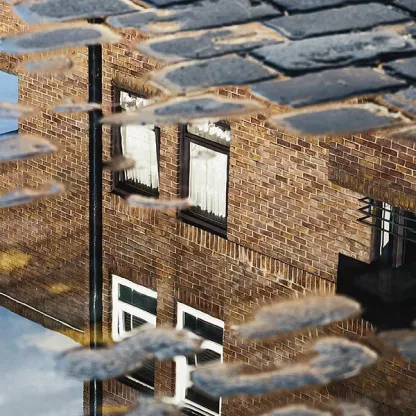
<point x="286" y="225"/>
<point x="381" y="168"/>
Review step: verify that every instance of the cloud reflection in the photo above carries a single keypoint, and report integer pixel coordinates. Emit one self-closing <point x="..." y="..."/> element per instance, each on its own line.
<point x="29" y="382"/>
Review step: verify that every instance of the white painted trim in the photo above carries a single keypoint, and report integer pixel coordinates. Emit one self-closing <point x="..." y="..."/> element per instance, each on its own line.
<point x="183" y="370"/>
<point x="198" y="314"/>
<point x="42" y="313"/>
<point x="139" y="288"/>
<point x="118" y="307"/>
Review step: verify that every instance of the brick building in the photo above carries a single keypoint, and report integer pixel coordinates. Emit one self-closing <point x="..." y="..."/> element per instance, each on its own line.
<point x="283" y="211"/>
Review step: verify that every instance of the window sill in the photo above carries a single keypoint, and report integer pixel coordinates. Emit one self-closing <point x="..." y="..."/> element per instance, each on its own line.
<point x="192" y="219"/>
<point x="124" y="189"/>
<point x="143" y="389"/>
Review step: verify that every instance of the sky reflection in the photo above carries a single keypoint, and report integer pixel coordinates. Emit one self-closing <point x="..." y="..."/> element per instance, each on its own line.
<point x="29" y="383"/>
<point x="8" y="94"/>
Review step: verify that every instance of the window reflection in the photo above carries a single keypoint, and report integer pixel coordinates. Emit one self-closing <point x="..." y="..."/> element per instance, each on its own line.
<point x="139" y="143"/>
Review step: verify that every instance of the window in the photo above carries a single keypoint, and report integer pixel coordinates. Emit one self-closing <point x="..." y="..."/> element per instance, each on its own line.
<point x="140" y="143"/>
<point x="205" y="150"/>
<point x="8" y="93"/>
<point x="133" y="306"/>
<point x="212" y="330"/>
<point x="395" y="236"/>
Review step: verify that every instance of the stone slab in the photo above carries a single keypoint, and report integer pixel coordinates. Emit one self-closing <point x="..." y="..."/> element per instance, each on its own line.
<point x="403" y="67"/>
<point x="404" y="100"/>
<point x="209" y="43"/>
<point x="409" y="5"/>
<point x="338" y="20"/>
<point x="47" y="11"/>
<point x="326" y="86"/>
<point x="216" y="72"/>
<point x="333" y="51"/>
<point x="339" y="120"/>
<point x="182" y="110"/>
<point x="203" y="14"/>
<point x="308" y="5"/>
<point x="59" y="37"/>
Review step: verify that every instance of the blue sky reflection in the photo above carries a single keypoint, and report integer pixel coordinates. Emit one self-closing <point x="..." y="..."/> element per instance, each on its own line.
<point x="29" y="383"/>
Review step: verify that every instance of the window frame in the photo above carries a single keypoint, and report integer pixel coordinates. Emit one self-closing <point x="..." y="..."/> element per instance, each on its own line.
<point x="183" y="370"/>
<point x="121" y="186"/>
<point x="396" y="233"/>
<point x="188" y="216"/>
<point x="117" y="318"/>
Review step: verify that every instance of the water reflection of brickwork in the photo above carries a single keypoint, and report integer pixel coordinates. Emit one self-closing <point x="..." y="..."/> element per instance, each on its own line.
<point x="286" y="225"/>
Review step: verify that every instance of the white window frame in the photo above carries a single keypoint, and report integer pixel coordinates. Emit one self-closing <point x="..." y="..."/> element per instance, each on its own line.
<point x="183" y="370"/>
<point x="119" y="307"/>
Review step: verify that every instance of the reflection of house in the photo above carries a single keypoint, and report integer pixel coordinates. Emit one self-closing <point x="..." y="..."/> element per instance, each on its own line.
<point x="269" y="223"/>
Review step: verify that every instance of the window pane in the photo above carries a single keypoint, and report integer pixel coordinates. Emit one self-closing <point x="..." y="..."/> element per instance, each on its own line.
<point x="190" y="322"/>
<point x="127" y="322"/>
<point x="139" y="143"/>
<point x="215" y="132"/>
<point x="204" y="329"/>
<point x="125" y="294"/>
<point x="146" y="374"/>
<point x="138" y="322"/>
<point x="208" y="180"/>
<point x="199" y="398"/>
<point x="146" y="303"/>
<point x="385" y="234"/>
<point x="191" y="360"/>
<point x="192" y="412"/>
<point x="206" y="356"/>
<point x="131" y="102"/>
<point x="410" y="242"/>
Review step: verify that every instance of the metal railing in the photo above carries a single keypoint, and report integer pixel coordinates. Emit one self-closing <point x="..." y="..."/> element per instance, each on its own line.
<point x="399" y="219"/>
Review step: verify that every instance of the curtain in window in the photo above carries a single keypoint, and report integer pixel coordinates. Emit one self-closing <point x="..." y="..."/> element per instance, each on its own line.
<point x="139" y="143"/>
<point x="208" y="180"/>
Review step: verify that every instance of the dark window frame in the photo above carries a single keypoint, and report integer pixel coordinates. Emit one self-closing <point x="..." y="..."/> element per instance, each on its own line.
<point x="120" y="185"/>
<point x="189" y="216"/>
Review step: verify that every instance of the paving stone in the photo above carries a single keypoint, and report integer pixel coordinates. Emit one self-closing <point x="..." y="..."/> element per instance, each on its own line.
<point x="307" y="5"/>
<point x="53" y="64"/>
<point x="210" y="43"/>
<point x="404" y="133"/>
<point x="70" y="106"/>
<point x="45" y="11"/>
<point x="24" y="146"/>
<point x="297" y="410"/>
<point x="26" y="195"/>
<point x="404" y="100"/>
<point x="59" y="37"/>
<point x="343" y="19"/>
<point x="197" y="75"/>
<point x="333" y="51"/>
<point x="403" y="67"/>
<point x="182" y="110"/>
<point x="339" y="120"/>
<point x="165" y="3"/>
<point x="12" y="110"/>
<point x="410" y="30"/>
<point x="406" y="4"/>
<point x="326" y="86"/>
<point x="200" y="15"/>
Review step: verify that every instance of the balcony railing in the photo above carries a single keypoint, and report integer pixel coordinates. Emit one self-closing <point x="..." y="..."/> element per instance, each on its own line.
<point x="396" y="222"/>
